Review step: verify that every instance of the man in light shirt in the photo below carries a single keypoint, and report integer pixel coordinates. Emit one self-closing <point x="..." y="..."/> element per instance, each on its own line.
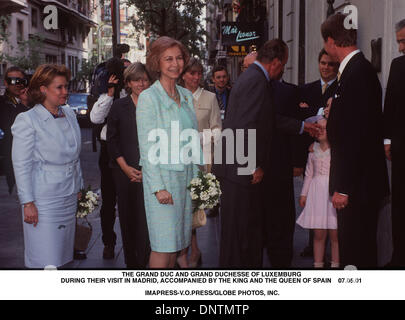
<point x="358" y="173"/>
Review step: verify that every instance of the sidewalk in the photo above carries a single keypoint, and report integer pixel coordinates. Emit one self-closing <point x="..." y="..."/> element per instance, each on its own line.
<point x="12" y="243"/>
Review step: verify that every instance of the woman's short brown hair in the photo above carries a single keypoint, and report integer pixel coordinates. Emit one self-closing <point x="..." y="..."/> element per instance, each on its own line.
<point x="43" y="76"/>
<point x="194" y="64"/>
<point x="334" y="27"/>
<point x="156" y="50"/>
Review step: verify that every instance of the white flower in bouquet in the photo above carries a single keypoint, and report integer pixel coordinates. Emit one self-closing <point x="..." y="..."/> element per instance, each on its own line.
<point x="204" y="191"/>
<point x="204" y="196"/>
<point x="210" y="176"/>
<point x="87" y="203"/>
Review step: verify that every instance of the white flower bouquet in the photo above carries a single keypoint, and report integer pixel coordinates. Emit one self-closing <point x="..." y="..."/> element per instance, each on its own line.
<point x="87" y="203"/>
<point x="205" y="191"/>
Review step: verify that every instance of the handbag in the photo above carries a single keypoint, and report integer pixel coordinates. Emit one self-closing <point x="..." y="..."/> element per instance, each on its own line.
<point x="199" y="219"/>
<point x="83" y="234"/>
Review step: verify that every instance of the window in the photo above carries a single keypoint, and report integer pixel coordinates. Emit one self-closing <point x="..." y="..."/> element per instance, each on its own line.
<point x="73" y="64"/>
<point x="51" y="59"/>
<point x="34" y="17"/>
<point x="20" y="30"/>
<point x="72" y="34"/>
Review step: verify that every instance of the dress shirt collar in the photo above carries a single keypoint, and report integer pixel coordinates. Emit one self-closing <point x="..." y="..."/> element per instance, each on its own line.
<point x="346" y="60"/>
<point x="329" y="83"/>
<point x="219" y="92"/>
<point x="11" y="98"/>
<point x="263" y="69"/>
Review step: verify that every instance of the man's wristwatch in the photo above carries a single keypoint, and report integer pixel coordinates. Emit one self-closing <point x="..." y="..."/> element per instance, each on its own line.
<point x="28" y="204"/>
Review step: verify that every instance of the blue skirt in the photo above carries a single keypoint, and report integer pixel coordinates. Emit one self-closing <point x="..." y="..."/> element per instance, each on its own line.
<point x="170" y="225"/>
<point x="51" y="242"/>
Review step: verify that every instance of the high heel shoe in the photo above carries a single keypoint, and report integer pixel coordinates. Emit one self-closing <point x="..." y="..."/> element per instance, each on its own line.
<point x="196" y="263"/>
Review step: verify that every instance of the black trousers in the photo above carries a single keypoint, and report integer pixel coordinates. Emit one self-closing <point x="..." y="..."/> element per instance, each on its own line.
<point x="398" y="211"/>
<point x="241" y="243"/>
<point x="357" y="234"/>
<point x="108" y="193"/>
<point x="134" y="228"/>
<point x="279" y="221"/>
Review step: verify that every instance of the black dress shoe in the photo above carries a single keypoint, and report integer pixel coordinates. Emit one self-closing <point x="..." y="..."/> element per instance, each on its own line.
<point x="108" y="252"/>
<point x="79" y="255"/>
<point x="308" y="252"/>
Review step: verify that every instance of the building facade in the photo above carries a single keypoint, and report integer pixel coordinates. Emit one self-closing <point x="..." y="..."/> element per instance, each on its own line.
<point x="298" y="23"/>
<point x="68" y="44"/>
<point x="137" y="43"/>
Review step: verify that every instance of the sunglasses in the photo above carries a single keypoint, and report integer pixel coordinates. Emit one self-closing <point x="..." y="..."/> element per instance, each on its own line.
<point x="17" y="81"/>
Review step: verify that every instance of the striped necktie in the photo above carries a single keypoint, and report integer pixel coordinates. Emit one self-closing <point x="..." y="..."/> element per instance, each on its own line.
<point x="324" y="87"/>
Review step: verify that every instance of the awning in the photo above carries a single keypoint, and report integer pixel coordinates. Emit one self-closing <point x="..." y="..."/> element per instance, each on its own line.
<point x="10" y="6"/>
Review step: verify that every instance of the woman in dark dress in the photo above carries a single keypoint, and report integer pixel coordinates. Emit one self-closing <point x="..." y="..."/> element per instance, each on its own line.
<point x="122" y="140"/>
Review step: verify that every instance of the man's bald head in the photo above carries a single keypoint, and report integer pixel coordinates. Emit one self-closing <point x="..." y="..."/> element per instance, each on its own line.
<point x="249" y="59"/>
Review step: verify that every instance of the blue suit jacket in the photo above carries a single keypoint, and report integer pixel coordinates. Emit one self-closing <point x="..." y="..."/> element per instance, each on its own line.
<point x="42" y="166"/>
<point x="155" y="110"/>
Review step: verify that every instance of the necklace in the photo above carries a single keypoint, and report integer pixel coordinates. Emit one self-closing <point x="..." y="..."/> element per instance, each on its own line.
<point x="174" y="96"/>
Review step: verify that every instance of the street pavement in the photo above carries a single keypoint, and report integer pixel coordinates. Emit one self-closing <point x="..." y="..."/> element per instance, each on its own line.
<point x="12" y="242"/>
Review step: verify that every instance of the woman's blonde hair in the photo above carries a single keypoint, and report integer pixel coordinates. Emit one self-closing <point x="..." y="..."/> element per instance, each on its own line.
<point x="135" y="71"/>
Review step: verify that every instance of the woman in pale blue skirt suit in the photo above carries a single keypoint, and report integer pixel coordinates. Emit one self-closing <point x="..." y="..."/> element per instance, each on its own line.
<point x="45" y="153"/>
<point x="165" y="106"/>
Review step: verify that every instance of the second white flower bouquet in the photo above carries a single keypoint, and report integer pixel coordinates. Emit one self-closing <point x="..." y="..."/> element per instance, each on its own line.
<point x="205" y="191"/>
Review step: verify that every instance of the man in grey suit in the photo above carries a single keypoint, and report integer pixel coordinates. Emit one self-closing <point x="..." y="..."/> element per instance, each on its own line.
<point x="250" y="107"/>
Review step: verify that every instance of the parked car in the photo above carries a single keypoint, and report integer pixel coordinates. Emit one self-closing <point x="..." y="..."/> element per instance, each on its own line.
<point x="78" y="102"/>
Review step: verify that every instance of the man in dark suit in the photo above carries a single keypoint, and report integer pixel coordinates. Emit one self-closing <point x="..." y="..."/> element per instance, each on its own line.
<point x="250" y="107"/>
<point x="313" y="97"/>
<point x="358" y="173"/>
<point x="279" y="218"/>
<point x="278" y="188"/>
<point x="394" y="113"/>
<point x="10" y="107"/>
<point x="221" y="88"/>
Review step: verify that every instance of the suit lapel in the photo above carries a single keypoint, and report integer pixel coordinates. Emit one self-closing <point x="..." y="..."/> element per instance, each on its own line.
<point x="72" y="124"/>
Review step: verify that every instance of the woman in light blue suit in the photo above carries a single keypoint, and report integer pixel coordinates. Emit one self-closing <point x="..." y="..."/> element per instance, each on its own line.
<point x="161" y="108"/>
<point x="45" y="153"/>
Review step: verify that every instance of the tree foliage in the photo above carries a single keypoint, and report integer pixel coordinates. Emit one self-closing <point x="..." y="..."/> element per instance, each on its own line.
<point x="179" y="19"/>
<point x="83" y="76"/>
